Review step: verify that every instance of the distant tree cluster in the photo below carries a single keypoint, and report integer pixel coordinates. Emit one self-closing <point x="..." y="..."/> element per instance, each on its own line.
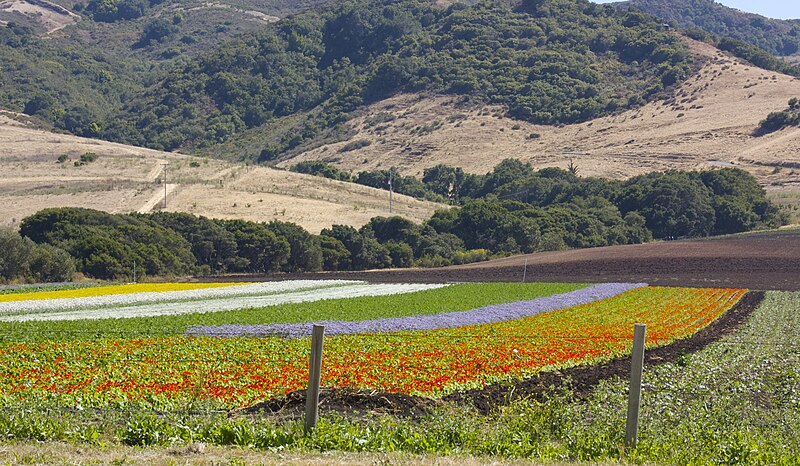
<point x="776" y="121"/>
<point x="23" y="260"/>
<point x="109" y="11"/>
<point x="756" y="56"/>
<point x="323" y="169"/>
<point x="513" y="209"/>
<point x="15" y="35"/>
<point x="668" y="205"/>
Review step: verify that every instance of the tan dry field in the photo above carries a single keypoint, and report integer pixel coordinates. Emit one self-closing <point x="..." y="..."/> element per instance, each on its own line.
<point x="129" y="179"/>
<point x="710" y="124"/>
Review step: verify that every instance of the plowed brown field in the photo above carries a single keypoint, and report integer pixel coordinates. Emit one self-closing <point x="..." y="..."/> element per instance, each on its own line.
<point x="759" y="261"/>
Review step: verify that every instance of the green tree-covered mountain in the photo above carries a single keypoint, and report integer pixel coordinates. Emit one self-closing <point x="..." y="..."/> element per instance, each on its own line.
<point x="780" y="37"/>
<point x="548" y="61"/>
<point x="107" y="51"/>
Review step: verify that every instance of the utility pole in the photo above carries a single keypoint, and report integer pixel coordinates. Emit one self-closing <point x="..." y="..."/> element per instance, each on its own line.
<point x="391" y="171"/>
<point x="165" y="183"/>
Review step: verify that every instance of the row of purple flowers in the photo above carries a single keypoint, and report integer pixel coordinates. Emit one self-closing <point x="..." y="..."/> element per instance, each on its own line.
<point x="482" y="315"/>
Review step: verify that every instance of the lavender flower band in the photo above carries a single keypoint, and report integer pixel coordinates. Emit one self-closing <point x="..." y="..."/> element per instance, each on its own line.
<point x="482" y="315"/>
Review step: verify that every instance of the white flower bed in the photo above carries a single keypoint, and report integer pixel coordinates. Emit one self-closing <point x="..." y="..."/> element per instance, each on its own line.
<point x="347" y="290"/>
<point x="250" y="289"/>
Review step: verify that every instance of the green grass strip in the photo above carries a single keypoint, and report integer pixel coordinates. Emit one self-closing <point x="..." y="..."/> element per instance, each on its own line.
<point x="20" y="289"/>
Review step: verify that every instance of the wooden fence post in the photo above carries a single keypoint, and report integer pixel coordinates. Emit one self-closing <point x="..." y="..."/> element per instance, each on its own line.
<point x="314" y="375"/>
<point x="635" y="393"/>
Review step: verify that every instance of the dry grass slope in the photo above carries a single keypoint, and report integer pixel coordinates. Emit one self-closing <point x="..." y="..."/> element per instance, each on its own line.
<point x="129" y="179"/>
<point x="709" y="123"/>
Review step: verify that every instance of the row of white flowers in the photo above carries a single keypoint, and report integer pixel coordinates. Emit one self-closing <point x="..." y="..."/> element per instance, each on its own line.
<point x="249" y="289"/>
<point x="346" y="290"/>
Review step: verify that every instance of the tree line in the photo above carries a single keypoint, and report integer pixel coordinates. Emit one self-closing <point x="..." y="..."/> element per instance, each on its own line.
<point x="513" y="209"/>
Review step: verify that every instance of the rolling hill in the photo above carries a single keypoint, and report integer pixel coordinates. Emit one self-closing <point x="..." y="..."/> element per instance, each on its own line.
<point x="710" y="122"/>
<point x="373" y="85"/>
<point x="129" y="179"/>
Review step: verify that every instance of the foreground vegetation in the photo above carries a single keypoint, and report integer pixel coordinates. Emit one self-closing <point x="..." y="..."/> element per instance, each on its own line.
<point x="734" y="402"/>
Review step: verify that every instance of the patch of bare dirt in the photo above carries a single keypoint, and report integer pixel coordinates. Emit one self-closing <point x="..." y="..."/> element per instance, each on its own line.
<point x="50" y="16"/>
<point x="346" y="401"/>
<point x="709" y="123"/>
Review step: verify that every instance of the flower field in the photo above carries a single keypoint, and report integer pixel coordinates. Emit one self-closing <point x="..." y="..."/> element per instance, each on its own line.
<point x="83" y="363"/>
<point x="317" y="303"/>
<point x="482" y="315"/>
<point x="149" y="304"/>
<point x="79" y="291"/>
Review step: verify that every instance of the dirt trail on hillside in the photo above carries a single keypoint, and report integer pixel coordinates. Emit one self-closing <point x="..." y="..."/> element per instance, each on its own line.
<point x="157" y="199"/>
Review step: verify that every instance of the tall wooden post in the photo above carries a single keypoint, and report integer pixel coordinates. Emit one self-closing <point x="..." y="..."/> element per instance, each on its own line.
<point x="314" y="376"/>
<point x="635" y="393"/>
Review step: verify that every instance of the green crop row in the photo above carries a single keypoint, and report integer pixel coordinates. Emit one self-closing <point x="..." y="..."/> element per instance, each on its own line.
<point x="45" y="287"/>
<point x="453" y="298"/>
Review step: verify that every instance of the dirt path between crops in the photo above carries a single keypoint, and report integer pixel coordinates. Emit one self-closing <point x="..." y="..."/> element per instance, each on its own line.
<point x="581" y="380"/>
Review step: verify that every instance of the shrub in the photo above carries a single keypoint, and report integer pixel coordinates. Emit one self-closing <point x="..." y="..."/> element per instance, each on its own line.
<point x="14" y="255"/>
<point x="471" y="255"/>
<point x="355" y="145"/>
<point x="433" y="261"/>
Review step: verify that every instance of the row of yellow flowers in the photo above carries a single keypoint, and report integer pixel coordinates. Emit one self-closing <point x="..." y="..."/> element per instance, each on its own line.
<point x="112" y="290"/>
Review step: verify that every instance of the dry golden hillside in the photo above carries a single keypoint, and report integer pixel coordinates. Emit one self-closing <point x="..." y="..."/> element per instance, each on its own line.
<point x="130" y="179"/>
<point x="710" y="123"/>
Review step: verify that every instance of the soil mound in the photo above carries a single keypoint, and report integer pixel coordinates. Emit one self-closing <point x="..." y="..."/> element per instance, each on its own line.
<point x="346" y="401"/>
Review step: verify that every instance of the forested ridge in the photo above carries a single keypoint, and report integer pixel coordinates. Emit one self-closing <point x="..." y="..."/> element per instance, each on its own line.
<point x="547" y="61"/>
<point x="777" y="36"/>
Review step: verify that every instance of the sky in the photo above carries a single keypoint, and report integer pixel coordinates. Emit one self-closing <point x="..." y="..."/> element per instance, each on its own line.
<point x="784" y="9"/>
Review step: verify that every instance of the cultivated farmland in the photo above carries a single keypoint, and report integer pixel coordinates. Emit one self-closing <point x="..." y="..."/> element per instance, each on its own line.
<point x="429" y="351"/>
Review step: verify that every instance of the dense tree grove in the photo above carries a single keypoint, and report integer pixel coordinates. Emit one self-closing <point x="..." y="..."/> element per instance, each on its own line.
<point x="512" y="209"/>
<point x="551" y="61"/>
<point x="109" y="11"/>
<point x="23" y="260"/>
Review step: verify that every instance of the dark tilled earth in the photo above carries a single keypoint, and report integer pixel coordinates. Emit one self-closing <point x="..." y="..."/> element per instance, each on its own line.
<point x="758" y="261"/>
<point x="580" y="379"/>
